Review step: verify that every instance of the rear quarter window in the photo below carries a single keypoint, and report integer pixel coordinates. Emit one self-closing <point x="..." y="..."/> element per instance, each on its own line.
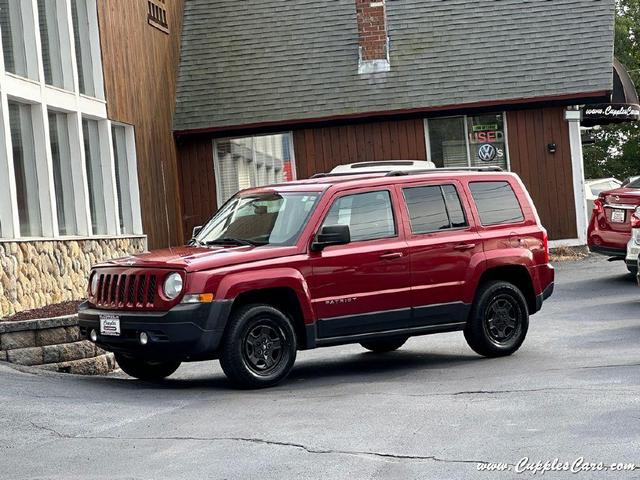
<point x="496" y="202"/>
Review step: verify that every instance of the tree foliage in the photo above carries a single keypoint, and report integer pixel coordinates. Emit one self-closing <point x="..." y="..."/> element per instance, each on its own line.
<point x="616" y="151"/>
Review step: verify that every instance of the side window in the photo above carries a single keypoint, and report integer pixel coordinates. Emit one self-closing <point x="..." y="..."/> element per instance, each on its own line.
<point x="368" y="215"/>
<point x="496" y="202"/>
<point x="434" y="208"/>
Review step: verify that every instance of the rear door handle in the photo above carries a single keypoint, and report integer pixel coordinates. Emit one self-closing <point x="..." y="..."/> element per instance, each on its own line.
<point x="465" y="246"/>
<point x="391" y="256"/>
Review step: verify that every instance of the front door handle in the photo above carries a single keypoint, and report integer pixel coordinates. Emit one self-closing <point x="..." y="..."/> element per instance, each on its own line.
<point x="391" y="256"/>
<point x="465" y="246"/>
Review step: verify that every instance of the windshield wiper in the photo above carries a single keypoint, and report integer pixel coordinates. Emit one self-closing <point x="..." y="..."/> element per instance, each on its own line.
<point x="195" y="243"/>
<point x="230" y="240"/>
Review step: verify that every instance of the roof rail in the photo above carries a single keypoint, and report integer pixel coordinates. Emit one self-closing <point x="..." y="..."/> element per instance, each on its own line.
<point x="402" y="173"/>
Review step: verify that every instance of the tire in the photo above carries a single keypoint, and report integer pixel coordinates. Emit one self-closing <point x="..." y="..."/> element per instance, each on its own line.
<point x="632" y="269"/>
<point x="384" y="345"/>
<point x="497" y="337"/>
<point x="259" y="347"/>
<point x="144" y="369"/>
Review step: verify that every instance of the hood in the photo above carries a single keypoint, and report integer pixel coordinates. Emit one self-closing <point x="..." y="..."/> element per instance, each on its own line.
<point x="622" y="196"/>
<point x="193" y="259"/>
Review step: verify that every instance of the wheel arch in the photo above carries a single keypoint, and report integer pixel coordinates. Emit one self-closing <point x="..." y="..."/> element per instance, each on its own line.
<point x="519" y="276"/>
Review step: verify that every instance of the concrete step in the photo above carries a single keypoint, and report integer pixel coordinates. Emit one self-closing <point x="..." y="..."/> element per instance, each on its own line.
<point x="63" y="352"/>
<point x="100" y="365"/>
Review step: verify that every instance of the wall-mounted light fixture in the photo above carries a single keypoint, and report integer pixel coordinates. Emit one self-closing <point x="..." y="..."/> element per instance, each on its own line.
<point x="551" y="147"/>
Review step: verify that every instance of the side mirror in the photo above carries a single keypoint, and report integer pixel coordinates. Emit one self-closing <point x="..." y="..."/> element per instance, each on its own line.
<point x="196" y="231"/>
<point x="331" y="235"/>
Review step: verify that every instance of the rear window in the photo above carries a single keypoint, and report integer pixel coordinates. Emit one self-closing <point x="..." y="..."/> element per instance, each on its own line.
<point x="434" y="208"/>
<point x="496" y="203"/>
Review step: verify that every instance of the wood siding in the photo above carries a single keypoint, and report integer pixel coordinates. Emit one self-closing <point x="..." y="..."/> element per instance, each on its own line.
<point x="197" y="182"/>
<point x="320" y="149"/>
<point x="140" y="64"/>
<point x="547" y="176"/>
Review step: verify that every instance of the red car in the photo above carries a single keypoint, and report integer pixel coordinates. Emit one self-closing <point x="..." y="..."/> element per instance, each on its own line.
<point x="370" y="258"/>
<point x="611" y="223"/>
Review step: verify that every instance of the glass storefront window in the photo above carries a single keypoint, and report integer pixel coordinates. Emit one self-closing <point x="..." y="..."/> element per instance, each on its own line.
<point x="252" y="162"/>
<point x="95" y="180"/>
<point x="26" y="169"/>
<point x="17" y="45"/>
<point x="62" y="173"/>
<point x="487" y="145"/>
<point x="468" y="141"/>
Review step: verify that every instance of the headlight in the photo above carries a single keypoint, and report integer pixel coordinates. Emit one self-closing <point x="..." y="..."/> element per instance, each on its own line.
<point x="172" y="286"/>
<point x="93" y="287"/>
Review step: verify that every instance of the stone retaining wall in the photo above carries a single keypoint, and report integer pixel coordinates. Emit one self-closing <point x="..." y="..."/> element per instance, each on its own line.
<point x="52" y="344"/>
<point x="37" y="273"/>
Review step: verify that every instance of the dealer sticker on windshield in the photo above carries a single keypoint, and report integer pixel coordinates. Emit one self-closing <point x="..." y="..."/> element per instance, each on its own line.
<point x="110" y="325"/>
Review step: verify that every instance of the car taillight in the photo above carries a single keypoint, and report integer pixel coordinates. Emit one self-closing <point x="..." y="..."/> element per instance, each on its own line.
<point x="545" y="245"/>
<point x="598" y="206"/>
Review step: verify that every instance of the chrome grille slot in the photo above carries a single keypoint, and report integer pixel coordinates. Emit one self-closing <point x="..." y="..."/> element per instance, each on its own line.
<point x="113" y="289"/>
<point x="130" y="289"/>
<point x="121" y="290"/>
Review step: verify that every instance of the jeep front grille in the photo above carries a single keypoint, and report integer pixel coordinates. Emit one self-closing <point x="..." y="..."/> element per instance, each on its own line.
<point x="127" y="291"/>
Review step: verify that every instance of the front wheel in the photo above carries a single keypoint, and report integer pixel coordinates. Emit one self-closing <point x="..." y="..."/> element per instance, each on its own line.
<point x="259" y="348"/>
<point x="145" y="369"/>
<point x="384" y="345"/>
<point x="499" y="320"/>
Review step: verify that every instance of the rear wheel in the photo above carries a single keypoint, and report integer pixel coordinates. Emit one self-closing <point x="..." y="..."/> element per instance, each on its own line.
<point x="499" y="320"/>
<point x="384" y="345"/>
<point x="145" y="369"/>
<point x="259" y="348"/>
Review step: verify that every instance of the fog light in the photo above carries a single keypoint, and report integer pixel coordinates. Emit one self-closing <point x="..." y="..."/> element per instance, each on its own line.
<point x="144" y="338"/>
<point x="93" y="336"/>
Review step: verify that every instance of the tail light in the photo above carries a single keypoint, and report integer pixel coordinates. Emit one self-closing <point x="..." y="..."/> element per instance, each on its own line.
<point x="545" y="246"/>
<point x="598" y="206"/>
<point x="635" y="218"/>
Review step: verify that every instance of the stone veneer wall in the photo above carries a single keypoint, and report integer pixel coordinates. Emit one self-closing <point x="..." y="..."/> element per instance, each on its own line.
<point x="37" y="273"/>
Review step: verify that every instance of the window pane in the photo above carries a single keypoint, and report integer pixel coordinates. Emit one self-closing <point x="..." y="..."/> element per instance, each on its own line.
<point x="95" y="180"/>
<point x="26" y="171"/>
<point x="454" y="207"/>
<point x="487" y="141"/>
<point x="62" y="176"/>
<point x="252" y="162"/>
<point x="80" y="16"/>
<point x="122" y="178"/>
<point x="447" y="142"/>
<point x="496" y="202"/>
<point x="13" y="41"/>
<point x="51" y="45"/>
<point x="426" y="209"/>
<point x="368" y="215"/>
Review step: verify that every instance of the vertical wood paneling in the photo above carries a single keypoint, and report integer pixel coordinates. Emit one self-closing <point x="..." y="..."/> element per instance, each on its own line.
<point x="197" y="182"/>
<point x="139" y="64"/>
<point x="321" y="149"/>
<point x="547" y="176"/>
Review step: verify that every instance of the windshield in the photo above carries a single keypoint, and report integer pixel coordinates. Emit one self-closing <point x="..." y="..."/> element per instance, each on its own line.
<point x="260" y="219"/>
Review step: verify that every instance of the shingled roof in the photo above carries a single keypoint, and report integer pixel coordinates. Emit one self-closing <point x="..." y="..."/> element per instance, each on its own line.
<point x="259" y="61"/>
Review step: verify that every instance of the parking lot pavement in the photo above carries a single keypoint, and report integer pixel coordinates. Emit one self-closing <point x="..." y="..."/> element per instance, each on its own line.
<point x="431" y="410"/>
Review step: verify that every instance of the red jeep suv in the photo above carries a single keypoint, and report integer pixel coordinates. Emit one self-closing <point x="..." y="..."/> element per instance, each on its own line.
<point x="369" y="258"/>
<point x="614" y="216"/>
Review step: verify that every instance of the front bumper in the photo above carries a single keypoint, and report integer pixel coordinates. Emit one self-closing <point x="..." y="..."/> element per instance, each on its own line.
<point x="186" y="332"/>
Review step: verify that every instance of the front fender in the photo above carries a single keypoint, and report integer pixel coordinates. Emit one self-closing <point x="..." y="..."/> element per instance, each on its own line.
<point x="235" y="284"/>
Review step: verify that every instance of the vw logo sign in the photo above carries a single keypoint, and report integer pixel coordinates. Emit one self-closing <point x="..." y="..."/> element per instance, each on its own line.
<point x="487" y="152"/>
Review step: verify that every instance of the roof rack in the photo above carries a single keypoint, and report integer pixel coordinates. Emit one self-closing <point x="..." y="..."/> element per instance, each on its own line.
<point x="402" y="173"/>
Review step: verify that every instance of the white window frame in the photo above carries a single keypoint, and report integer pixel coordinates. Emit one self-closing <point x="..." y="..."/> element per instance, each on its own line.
<point x="466" y="135"/>
<point x="216" y="160"/>
<point x="77" y="106"/>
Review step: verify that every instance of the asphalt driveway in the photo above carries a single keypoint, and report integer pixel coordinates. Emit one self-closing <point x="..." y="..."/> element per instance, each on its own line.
<point x="431" y="410"/>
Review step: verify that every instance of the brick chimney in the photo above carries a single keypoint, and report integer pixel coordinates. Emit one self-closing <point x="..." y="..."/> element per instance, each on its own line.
<point x="372" y="36"/>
